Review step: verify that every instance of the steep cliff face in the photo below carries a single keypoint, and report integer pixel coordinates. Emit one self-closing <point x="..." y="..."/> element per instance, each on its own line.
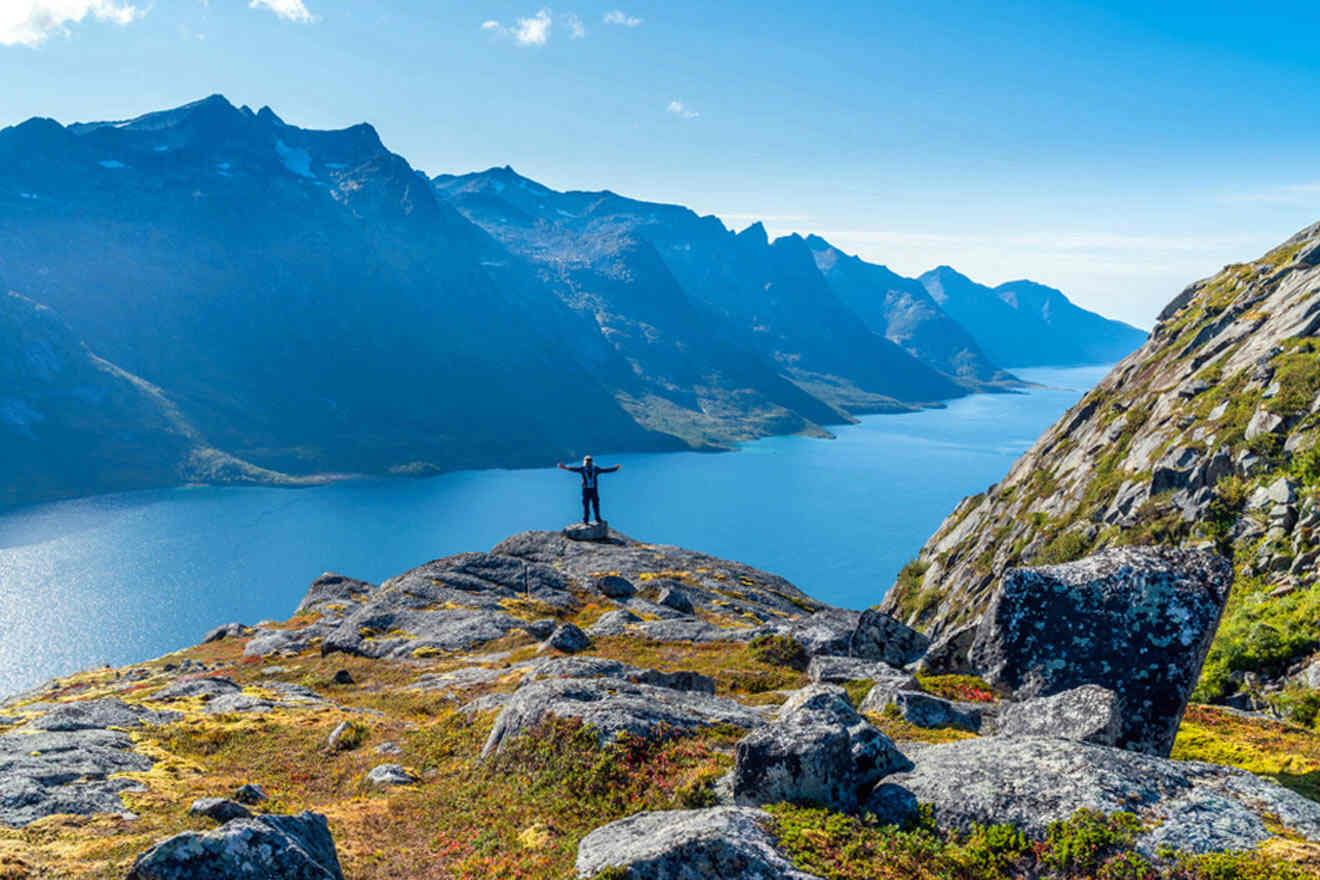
<point x="1204" y="436"/>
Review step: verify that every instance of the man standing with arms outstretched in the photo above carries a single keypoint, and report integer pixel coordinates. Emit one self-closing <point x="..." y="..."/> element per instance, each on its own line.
<point x="589" y="472"/>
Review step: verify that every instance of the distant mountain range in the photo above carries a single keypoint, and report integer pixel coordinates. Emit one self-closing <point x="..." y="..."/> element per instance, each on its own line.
<point x="210" y="294"/>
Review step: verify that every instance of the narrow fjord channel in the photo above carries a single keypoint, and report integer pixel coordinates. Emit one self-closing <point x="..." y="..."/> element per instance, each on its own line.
<point x="120" y="578"/>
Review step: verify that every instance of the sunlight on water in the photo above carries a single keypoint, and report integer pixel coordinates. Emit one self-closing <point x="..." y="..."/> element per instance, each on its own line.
<point x="122" y="578"/>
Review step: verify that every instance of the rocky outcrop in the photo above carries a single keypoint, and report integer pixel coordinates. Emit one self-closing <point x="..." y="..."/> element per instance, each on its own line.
<point x="66" y="771"/>
<point x="1174" y="446"/>
<point x="271" y="847"/>
<point x="725" y="842"/>
<point x="1030" y="782"/>
<point x="819" y="750"/>
<point x="1089" y="713"/>
<point x="464" y="601"/>
<point x="1137" y="621"/>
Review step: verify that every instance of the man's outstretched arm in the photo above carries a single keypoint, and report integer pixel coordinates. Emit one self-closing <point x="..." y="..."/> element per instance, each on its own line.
<point x="564" y="467"/>
<point x="609" y="470"/>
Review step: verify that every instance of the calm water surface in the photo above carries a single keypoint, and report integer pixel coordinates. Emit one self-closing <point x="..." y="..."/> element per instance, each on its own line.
<point x="121" y="578"/>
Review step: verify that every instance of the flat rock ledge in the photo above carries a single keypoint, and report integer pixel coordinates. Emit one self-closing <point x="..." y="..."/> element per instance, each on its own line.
<point x="722" y="842"/>
<point x="1033" y="781"/>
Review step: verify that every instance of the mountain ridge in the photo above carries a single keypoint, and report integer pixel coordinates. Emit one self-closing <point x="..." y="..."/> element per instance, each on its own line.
<point x="312" y="303"/>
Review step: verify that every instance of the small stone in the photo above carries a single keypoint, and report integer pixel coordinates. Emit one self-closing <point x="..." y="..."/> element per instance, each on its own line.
<point x="390" y="774"/>
<point x="251" y="794"/>
<point x="672" y="597"/>
<point x="1263" y="422"/>
<point x="344" y="737"/>
<point x="567" y="638"/>
<point x="219" y="809"/>
<point x="612" y="623"/>
<point x="614" y="587"/>
<point x="388" y="748"/>
<point x="541" y="629"/>
<point x="228" y="631"/>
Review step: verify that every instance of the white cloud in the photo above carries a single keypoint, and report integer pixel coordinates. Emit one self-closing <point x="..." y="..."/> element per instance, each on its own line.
<point x="31" y="22"/>
<point x="678" y="108"/>
<point x="289" y="10"/>
<point x="533" y="30"/>
<point x="618" y="16"/>
<point x="576" y="30"/>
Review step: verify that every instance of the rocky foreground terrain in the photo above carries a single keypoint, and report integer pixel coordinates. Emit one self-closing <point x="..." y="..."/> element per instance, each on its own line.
<point x="606" y="708"/>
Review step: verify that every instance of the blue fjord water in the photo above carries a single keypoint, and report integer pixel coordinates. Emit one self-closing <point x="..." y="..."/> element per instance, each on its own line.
<point x="121" y="578"/>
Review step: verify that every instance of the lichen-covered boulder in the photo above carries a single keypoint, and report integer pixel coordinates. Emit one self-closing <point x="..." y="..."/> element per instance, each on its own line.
<point x="1089" y="713"/>
<point x="1136" y="620"/>
<point x="819" y="751"/>
<point x="609" y="705"/>
<point x="261" y="848"/>
<point x="722" y="842"/>
<point x="1030" y="782"/>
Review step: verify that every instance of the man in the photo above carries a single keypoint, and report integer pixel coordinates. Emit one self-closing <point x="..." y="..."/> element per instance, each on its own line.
<point x="589" y="472"/>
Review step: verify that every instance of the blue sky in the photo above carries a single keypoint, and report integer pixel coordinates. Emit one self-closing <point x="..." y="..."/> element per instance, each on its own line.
<point x="1116" y="151"/>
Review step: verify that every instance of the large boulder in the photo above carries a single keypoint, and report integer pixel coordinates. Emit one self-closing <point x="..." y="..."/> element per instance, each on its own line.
<point x="818" y="751"/>
<point x="1033" y="781"/>
<point x="611" y="706"/>
<point x="1089" y="713"/>
<point x="725" y="842"/>
<point x="261" y="848"/>
<point x="1136" y="620"/>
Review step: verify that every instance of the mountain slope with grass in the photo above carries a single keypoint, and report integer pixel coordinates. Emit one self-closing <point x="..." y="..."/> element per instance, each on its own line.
<point x="1206" y="436"/>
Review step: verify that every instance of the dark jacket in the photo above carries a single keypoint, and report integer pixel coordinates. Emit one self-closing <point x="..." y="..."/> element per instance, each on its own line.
<point x="590" y="472"/>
